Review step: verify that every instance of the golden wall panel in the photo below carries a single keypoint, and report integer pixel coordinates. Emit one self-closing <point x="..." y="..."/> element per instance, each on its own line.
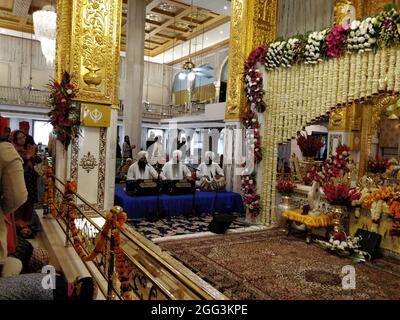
<point x="90" y="48"/>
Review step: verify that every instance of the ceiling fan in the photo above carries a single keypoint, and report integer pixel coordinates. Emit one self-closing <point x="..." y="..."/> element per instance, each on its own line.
<point x="189" y="70"/>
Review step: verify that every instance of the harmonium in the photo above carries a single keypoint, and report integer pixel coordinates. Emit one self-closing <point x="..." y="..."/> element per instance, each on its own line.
<point x="179" y="187"/>
<point x="142" y="187"/>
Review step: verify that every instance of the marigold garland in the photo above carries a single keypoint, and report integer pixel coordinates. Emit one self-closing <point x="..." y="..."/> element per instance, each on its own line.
<point x="115" y="219"/>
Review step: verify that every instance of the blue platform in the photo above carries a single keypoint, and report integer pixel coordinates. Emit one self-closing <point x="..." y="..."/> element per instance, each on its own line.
<point x="139" y="207"/>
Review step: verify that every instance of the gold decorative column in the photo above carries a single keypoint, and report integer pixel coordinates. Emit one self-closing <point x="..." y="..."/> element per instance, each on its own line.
<point x="253" y="22"/>
<point x="88" y="48"/>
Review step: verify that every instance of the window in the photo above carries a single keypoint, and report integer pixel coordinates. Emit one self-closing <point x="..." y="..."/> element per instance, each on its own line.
<point x="41" y="131"/>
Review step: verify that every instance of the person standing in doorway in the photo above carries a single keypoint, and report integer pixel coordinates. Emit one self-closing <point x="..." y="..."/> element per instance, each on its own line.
<point x="127" y="148"/>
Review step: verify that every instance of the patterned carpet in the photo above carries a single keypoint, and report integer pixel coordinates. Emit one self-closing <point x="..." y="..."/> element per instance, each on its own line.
<point x="179" y="226"/>
<point x="267" y="265"/>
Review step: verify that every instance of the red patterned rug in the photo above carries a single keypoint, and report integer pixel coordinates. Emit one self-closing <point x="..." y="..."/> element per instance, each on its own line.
<point x="269" y="265"/>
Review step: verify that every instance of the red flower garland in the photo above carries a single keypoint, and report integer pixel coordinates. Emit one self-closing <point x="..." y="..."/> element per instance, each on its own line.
<point x="253" y="77"/>
<point x="335" y="40"/>
<point x="250" y="197"/>
<point x="63" y="116"/>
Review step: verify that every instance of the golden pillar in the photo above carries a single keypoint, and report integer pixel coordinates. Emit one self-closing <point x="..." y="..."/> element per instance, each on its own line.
<point x="253" y="22"/>
<point x="88" y="48"/>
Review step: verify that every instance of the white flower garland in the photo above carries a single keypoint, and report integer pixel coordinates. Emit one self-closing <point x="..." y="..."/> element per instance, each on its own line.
<point x="313" y="50"/>
<point x="273" y="58"/>
<point x="362" y="36"/>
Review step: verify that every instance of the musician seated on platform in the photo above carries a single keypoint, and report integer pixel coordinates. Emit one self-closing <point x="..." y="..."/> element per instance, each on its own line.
<point x="209" y="172"/>
<point x="174" y="169"/>
<point x="141" y="170"/>
<point x="123" y="171"/>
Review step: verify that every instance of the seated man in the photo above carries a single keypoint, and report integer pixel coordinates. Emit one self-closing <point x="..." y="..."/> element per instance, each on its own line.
<point x="174" y="169"/>
<point x="141" y="170"/>
<point x="123" y="170"/>
<point x="210" y="173"/>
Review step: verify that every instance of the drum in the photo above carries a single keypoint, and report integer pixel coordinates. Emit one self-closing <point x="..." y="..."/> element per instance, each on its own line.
<point x="217" y="184"/>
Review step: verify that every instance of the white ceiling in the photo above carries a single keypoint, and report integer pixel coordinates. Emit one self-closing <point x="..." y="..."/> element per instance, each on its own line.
<point x="218" y="6"/>
<point x="202" y="41"/>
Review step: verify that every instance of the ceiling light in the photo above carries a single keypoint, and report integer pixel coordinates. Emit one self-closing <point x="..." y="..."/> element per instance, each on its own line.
<point x="206" y="38"/>
<point x="221" y="32"/>
<point x="191" y="76"/>
<point x="225" y="8"/>
<point x="182" y="76"/>
<point x="44" y="24"/>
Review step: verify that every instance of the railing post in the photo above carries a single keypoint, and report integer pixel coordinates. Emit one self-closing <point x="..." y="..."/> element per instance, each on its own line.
<point x="111" y="258"/>
<point x="46" y="190"/>
<point x="68" y="200"/>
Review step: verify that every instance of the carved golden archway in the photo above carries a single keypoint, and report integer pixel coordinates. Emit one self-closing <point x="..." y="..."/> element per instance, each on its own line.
<point x="371" y="114"/>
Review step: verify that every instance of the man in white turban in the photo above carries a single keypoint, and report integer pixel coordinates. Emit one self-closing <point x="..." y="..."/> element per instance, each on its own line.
<point x="208" y="169"/>
<point x="141" y="170"/>
<point x="175" y="169"/>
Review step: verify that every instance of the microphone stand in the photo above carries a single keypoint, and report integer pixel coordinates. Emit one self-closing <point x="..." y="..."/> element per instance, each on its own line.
<point x="158" y="190"/>
<point x="194" y="213"/>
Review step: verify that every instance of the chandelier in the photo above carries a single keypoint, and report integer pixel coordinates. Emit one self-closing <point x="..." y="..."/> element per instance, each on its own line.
<point x="44" y="24"/>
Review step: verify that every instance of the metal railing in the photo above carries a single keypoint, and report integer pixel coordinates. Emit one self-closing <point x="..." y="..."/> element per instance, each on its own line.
<point x="24" y="96"/>
<point x="153" y="273"/>
<point x="158" y="111"/>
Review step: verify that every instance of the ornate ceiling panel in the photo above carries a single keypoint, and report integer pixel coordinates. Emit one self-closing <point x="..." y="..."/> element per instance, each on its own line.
<point x="168" y="22"/>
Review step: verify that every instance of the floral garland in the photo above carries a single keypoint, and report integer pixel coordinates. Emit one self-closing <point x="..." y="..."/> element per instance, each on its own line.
<point x="380" y="31"/>
<point x="249" y="183"/>
<point x="335" y="40"/>
<point x="251" y="198"/>
<point x="315" y="47"/>
<point x="332" y="167"/>
<point x="362" y="35"/>
<point x="63" y="116"/>
<point x="115" y="219"/>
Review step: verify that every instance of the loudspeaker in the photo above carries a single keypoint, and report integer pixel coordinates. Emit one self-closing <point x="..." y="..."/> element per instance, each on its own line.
<point x="221" y="222"/>
<point x="369" y="242"/>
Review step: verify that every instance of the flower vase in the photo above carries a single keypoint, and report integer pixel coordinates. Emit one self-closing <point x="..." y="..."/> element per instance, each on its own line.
<point x="314" y="199"/>
<point x="338" y="214"/>
<point x="285" y="205"/>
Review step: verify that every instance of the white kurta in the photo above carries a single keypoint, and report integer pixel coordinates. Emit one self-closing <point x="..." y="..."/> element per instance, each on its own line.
<point x="135" y="174"/>
<point x="178" y="172"/>
<point x="156" y="153"/>
<point x="210" y="171"/>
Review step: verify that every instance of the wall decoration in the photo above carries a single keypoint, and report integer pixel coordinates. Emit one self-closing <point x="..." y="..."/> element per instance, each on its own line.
<point x="88" y="162"/>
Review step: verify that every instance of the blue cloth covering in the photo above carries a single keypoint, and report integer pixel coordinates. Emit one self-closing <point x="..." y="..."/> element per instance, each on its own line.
<point x="139" y="207"/>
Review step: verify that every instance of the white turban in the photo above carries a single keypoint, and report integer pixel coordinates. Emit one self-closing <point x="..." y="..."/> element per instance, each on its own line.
<point x="142" y="154"/>
<point x="177" y="155"/>
<point x="209" y="155"/>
